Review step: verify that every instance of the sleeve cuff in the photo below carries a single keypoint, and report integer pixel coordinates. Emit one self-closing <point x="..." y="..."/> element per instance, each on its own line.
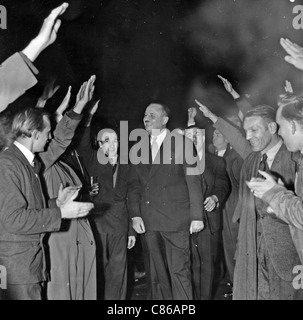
<point x="269" y="195"/>
<point x="29" y="63"/>
<point x="73" y="115"/>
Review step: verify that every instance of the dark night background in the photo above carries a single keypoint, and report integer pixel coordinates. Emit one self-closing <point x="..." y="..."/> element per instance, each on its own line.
<point x="169" y="50"/>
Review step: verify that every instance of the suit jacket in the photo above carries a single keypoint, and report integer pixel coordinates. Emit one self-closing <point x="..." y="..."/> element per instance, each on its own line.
<point x="233" y="167"/>
<point x="217" y="184"/>
<point x="165" y="195"/>
<point x="23" y="219"/>
<point x="276" y="232"/>
<point x="110" y="213"/>
<point x="16" y="76"/>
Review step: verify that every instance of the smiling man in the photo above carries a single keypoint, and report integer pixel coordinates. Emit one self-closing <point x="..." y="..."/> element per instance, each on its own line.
<point x="266" y="254"/>
<point x="284" y="203"/>
<point x="166" y="205"/>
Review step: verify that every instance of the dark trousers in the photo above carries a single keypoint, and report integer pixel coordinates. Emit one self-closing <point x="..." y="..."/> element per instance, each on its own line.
<point x="31" y="291"/>
<point x="169" y="265"/>
<point x="204" y="257"/>
<point x="111" y="266"/>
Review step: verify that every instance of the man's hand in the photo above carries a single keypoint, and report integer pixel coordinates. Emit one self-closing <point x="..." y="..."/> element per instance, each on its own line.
<point x="259" y="186"/>
<point x="93" y="189"/>
<point x="69" y="208"/>
<point x="228" y="87"/>
<point x="288" y="87"/>
<point x="210" y="203"/>
<point x="295" y="53"/>
<point x="63" y="106"/>
<point x="48" y="92"/>
<point x="196" y="226"/>
<point x="138" y="225"/>
<point x="192" y="112"/>
<point x="66" y="194"/>
<point x="85" y="94"/>
<point x="47" y="34"/>
<point x="131" y="242"/>
<point x="206" y="112"/>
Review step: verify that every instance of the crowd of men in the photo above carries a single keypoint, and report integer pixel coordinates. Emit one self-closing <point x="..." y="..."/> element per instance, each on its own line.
<point x="69" y="219"/>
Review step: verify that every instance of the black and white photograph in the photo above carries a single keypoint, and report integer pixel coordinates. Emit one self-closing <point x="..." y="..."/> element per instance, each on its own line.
<point x="151" y="150"/>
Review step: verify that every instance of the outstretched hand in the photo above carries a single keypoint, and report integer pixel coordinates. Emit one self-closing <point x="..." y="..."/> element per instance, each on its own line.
<point x="51" y="25"/>
<point x="206" y="112"/>
<point x="47" y="34"/>
<point x="229" y="88"/>
<point x="295" y="52"/>
<point x="63" y="106"/>
<point x="259" y="186"/>
<point x="288" y="87"/>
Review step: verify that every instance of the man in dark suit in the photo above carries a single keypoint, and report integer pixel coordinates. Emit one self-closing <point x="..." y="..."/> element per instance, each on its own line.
<point x="24" y="218"/>
<point x="110" y="219"/>
<point x="166" y="205"/>
<point x="205" y="245"/>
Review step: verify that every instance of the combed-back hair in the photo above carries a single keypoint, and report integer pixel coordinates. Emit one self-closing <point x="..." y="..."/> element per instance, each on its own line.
<point x="264" y="111"/>
<point x="292" y="107"/>
<point x="165" y="108"/>
<point x="28" y="120"/>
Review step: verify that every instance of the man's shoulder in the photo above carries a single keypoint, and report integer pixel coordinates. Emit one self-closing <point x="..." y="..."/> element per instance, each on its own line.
<point x="11" y="155"/>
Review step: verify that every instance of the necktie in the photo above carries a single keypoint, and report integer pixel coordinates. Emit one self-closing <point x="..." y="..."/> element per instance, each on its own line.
<point x="263" y="165"/>
<point x="155" y="147"/>
<point x="36" y="165"/>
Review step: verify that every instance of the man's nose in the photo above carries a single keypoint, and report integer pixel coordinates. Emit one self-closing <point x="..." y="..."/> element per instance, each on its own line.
<point x="248" y="135"/>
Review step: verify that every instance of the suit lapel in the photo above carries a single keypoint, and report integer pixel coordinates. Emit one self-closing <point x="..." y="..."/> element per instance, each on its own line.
<point x="158" y="163"/>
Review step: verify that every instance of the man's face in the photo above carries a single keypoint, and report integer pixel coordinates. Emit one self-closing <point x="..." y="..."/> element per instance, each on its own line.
<point x="286" y="132"/>
<point x="154" y="119"/>
<point x="42" y="137"/>
<point x="257" y="133"/>
<point x="218" y="140"/>
<point x="109" y="143"/>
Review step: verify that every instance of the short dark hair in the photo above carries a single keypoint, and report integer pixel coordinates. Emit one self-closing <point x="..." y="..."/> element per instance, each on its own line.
<point x="264" y="111"/>
<point x="165" y="108"/>
<point x="292" y="107"/>
<point x="28" y="120"/>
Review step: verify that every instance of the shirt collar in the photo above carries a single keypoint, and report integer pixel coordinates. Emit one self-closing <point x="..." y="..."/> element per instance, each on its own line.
<point x="271" y="153"/>
<point x="27" y="153"/>
<point x="160" y="137"/>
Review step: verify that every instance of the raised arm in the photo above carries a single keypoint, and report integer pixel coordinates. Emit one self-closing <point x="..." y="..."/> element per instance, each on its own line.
<point x="17" y="73"/>
<point x="67" y="126"/>
<point x="295" y="53"/>
<point x="231" y="133"/>
<point x="242" y="103"/>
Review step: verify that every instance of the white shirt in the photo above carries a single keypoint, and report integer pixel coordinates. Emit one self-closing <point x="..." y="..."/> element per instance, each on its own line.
<point x="221" y="153"/>
<point x="160" y="138"/>
<point x="271" y="153"/>
<point x="27" y="153"/>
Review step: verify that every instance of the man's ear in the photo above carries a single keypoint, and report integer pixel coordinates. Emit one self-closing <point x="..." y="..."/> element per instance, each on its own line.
<point x="36" y="134"/>
<point x="273" y="127"/>
<point x="165" y="120"/>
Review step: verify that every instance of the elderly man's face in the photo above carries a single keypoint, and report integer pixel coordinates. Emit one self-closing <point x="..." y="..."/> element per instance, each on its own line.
<point x="109" y="143"/>
<point x="257" y="133"/>
<point x="154" y="119"/>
